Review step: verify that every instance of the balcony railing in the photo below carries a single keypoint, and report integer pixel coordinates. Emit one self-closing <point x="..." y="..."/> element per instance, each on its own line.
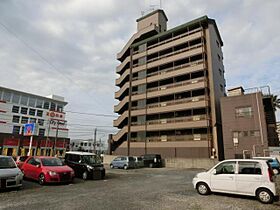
<point x="165" y="138"/>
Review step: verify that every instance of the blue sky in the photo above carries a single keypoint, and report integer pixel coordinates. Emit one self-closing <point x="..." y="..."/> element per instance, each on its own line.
<point x="80" y="39"/>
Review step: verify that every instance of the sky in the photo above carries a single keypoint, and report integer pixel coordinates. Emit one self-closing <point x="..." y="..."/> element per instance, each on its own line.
<point x="69" y="48"/>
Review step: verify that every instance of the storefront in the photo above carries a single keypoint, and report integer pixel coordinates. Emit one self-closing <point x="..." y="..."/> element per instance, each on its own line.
<point x="10" y="146"/>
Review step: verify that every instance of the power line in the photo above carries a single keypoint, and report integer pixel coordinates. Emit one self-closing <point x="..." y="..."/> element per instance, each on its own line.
<point x="95" y="114"/>
<point x="36" y="52"/>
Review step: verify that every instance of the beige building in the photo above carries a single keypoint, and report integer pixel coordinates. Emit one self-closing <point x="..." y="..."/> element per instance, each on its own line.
<point x="249" y="125"/>
<point x="170" y="84"/>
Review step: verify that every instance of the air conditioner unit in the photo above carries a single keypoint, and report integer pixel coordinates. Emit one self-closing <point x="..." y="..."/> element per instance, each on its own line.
<point x="195" y="99"/>
<point x="197" y="137"/>
<point x="163" y="138"/>
<point x="196" y="118"/>
<point x="162" y="88"/>
<point x="194" y="81"/>
<point x="163" y="104"/>
<point x="163" y="121"/>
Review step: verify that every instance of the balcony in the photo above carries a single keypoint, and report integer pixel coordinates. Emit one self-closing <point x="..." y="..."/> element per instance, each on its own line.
<point x="120" y="67"/>
<point x="165" y="138"/>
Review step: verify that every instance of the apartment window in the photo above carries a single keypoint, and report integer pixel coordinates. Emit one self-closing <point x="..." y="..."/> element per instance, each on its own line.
<point x="23" y="100"/>
<point x="24" y="120"/>
<point x="220" y="72"/>
<point x="16" y="119"/>
<point x="15" y="98"/>
<point x="39" y="113"/>
<point x="7" y="96"/>
<point x="82" y="144"/>
<point x="142" y="61"/>
<point x="16" y="129"/>
<point x="46" y="105"/>
<point x="59" y="108"/>
<point x="254" y="133"/>
<point x="142" y="48"/>
<point x="142" y="88"/>
<point x="32" y="102"/>
<point x="39" y="103"/>
<point x="235" y="136"/>
<point x="89" y="144"/>
<point x="141" y="74"/>
<point x="219" y="57"/>
<point x="32" y="112"/>
<point x="141" y="103"/>
<point x="41" y="122"/>
<point x="141" y="119"/>
<point x="52" y="106"/>
<point x="15" y="109"/>
<point x="85" y="144"/>
<point x="23" y="110"/>
<point x="222" y="88"/>
<point x="243" y="112"/>
<point x="41" y="132"/>
<point x="32" y="120"/>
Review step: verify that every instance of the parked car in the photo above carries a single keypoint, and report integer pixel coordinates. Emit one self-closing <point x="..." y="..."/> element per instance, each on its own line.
<point x="20" y="160"/>
<point x="124" y="162"/>
<point x="152" y="160"/>
<point x="273" y="161"/>
<point x="239" y="176"/>
<point x="47" y="170"/>
<point x="139" y="162"/>
<point x="10" y="175"/>
<point x="86" y="165"/>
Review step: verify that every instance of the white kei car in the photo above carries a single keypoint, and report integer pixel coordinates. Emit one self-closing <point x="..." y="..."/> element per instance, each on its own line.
<point x="239" y="176"/>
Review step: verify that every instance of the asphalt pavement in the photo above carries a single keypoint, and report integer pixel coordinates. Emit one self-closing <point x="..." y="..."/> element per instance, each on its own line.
<point x="156" y="188"/>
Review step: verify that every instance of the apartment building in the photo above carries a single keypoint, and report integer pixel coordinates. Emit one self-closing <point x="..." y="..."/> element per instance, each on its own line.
<point x="170" y="84"/>
<point x="249" y="123"/>
<point x="18" y="108"/>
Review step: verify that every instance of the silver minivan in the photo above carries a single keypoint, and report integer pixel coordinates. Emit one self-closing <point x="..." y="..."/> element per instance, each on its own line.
<point x="124" y="162"/>
<point x="10" y="175"/>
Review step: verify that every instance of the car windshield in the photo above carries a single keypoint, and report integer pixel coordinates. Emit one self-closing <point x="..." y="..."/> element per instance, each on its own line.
<point x="52" y="162"/>
<point x="7" y="162"/>
<point x="91" y="159"/>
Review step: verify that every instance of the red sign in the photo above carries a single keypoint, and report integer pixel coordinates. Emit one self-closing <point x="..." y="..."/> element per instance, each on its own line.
<point x="26" y="142"/>
<point x="11" y="142"/>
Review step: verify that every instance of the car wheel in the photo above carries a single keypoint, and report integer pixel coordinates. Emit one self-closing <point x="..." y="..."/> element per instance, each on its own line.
<point x="202" y="188"/>
<point x="264" y="196"/>
<point x="151" y="165"/>
<point x="111" y="166"/>
<point x="125" y="167"/>
<point x="275" y="171"/>
<point x="42" y="179"/>
<point x="85" y="175"/>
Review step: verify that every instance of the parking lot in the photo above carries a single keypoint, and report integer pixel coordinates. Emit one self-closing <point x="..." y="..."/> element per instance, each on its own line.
<point x="156" y="188"/>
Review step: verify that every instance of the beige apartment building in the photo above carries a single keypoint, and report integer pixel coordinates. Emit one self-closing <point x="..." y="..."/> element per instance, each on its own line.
<point x="170" y="84"/>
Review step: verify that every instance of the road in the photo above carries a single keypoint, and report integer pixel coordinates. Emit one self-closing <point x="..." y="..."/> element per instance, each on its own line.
<point x="147" y="188"/>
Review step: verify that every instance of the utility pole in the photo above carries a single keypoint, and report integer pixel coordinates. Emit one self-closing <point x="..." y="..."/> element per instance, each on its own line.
<point x="94" y="140"/>
<point x="47" y="140"/>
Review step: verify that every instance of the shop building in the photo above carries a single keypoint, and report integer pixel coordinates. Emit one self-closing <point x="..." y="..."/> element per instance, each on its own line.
<point x="170" y="84"/>
<point x="18" y="108"/>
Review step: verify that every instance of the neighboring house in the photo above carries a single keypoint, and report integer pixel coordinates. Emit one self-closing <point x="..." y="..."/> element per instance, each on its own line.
<point x="18" y="108"/>
<point x="170" y="84"/>
<point x="247" y="121"/>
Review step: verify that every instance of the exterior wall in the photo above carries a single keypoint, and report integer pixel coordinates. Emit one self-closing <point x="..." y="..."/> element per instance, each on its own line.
<point x="249" y="145"/>
<point x="155" y="18"/>
<point x="217" y="86"/>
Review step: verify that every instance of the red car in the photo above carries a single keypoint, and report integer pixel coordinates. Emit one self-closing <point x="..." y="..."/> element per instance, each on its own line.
<point x="47" y="170"/>
<point x="20" y="160"/>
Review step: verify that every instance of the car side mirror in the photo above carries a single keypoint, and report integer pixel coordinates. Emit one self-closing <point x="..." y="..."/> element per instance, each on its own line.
<point x="214" y="171"/>
<point x="38" y="165"/>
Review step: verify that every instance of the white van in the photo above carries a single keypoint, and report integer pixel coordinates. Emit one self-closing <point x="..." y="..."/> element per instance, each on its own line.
<point x="239" y="176"/>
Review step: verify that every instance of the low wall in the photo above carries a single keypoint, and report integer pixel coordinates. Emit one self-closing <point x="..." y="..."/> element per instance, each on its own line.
<point x="204" y="163"/>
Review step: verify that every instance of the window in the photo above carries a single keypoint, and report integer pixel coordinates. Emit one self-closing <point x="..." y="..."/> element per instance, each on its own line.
<point x="23" y="100"/>
<point x="142" y="61"/>
<point x="32" y="102"/>
<point x="249" y="168"/>
<point x="243" y="112"/>
<point x="85" y="144"/>
<point x="39" y="113"/>
<point x="141" y="103"/>
<point x="15" y="109"/>
<point x="39" y="103"/>
<point x="52" y="106"/>
<point x="74" y="158"/>
<point x="82" y="144"/>
<point x="32" y="120"/>
<point x="32" y="112"/>
<point x="141" y="119"/>
<point x="16" y="119"/>
<point x="16" y="129"/>
<point x="142" y="48"/>
<point x="59" y="108"/>
<point x="15" y="98"/>
<point x="46" y="105"/>
<point x="226" y="168"/>
<point x="24" y="120"/>
<point x="41" y="122"/>
<point x="23" y="110"/>
<point x="220" y="72"/>
<point x="222" y="88"/>
<point x="218" y="44"/>
<point x="141" y="74"/>
<point x="142" y="88"/>
<point x="41" y="132"/>
<point x="219" y="57"/>
<point x="7" y="96"/>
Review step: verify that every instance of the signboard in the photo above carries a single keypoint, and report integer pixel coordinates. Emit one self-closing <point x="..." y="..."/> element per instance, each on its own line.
<point x="30" y="129"/>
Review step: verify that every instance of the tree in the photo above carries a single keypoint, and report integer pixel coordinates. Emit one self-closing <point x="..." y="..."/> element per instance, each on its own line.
<point x="275" y="102"/>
